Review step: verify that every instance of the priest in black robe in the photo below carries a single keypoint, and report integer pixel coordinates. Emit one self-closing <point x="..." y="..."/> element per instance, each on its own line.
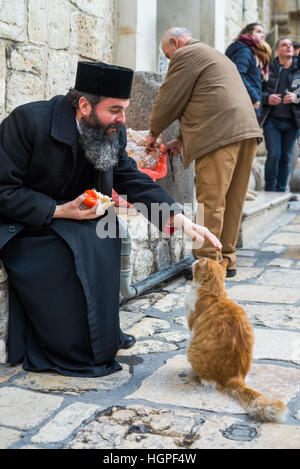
<point x="63" y="277"/>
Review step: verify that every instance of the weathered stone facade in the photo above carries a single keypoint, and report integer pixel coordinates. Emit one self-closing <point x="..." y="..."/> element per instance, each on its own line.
<point x="239" y="13"/>
<point x="41" y="42"/>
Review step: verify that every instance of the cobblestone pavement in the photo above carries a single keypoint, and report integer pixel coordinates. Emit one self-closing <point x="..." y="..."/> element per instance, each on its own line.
<point x="156" y="401"/>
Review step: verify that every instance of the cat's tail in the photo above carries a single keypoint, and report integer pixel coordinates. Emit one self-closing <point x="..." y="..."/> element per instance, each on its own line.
<point x="256" y="405"/>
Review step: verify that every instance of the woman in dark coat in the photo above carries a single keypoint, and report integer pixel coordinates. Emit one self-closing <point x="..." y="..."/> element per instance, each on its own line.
<point x="251" y="54"/>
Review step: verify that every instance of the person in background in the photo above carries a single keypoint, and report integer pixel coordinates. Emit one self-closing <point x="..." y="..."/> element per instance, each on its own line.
<point x="280" y="117"/>
<point x="251" y="54"/>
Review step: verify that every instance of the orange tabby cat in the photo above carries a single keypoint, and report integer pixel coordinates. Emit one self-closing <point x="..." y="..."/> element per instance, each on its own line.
<point x="222" y="340"/>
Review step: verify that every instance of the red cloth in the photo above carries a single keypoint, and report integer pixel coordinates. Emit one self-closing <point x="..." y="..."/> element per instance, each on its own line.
<point x="160" y="171"/>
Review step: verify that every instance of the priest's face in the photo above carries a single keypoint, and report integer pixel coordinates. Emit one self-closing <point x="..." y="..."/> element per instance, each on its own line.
<point x="100" y="126"/>
<point x="111" y="111"/>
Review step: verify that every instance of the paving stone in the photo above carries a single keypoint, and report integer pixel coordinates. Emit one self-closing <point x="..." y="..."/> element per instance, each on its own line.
<point x="147" y="346"/>
<point x="280" y="262"/>
<point x="181" y="321"/>
<point x="280" y="277"/>
<point x="139" y="303"/>
<point x="292" y="253"/>
<point x="274" y="248"/>
<point x="278" y="316"/>
<point x="245" y="262"/>
<point x="226" y="433"/>
<point x="296" y="220"/>
<point x="176" y="384"/>
<point x="64" y="423"/>
<point x="245" y="273"/>
<point x="7" y="372"/>
<point x="274" y="436"/>
<point x="173" y="336"/>
<point x="128" y="319"/>
<point x="246" y="252"/>
<point x="297" y="415"/>
<point x="295" y="228"/>
<point x="139" y="427"/>
<point x="24" y="409"/>
<point x="55" y="383"/>
<point x="8" y="437"/>
<point x="277" y="345"/>
<point x="148" y="327"/>
<point x="287" y="239"/>
<point x="264" y="294"/>
<point x="167" y="303"/>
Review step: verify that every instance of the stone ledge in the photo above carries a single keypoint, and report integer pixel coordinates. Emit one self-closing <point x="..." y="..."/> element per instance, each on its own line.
<point x="259" y="216"/>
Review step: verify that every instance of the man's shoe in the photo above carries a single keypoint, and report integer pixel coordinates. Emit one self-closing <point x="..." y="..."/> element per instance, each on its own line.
<point x="129" y="341"/>
<point x="230" y="273"/>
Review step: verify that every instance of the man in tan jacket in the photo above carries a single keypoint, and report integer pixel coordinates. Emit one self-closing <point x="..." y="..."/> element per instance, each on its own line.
<point x="218" y="130"/>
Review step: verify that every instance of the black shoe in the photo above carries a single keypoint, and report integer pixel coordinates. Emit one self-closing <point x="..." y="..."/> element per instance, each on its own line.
<point x="188" y="273"/>
<point x="230" y="273"/>
<point x="129" y="342"/>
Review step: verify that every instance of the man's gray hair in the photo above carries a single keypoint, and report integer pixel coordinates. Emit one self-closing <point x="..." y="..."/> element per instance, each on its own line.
<point x="176" y="32"/>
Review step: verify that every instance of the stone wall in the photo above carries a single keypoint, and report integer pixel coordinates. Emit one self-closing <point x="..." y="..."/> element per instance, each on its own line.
<point x="237" y="17"/>
<point x="41" y="42"/>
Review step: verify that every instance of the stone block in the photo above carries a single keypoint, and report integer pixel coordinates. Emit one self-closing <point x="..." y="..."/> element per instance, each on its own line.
<point x="144" y="92"/>
<point x="37" y="21"/>
<point x="87" y="33"/>
<point x="264" y="294"/>
<point x="24" y="409"/>
<point x="26" y="58"/>
<point x="61" y="72"/>
<point x="65" y="423"/>
<point x="100" y="8"/>
<point x="8" y="436"/>
<point x="162" y="255"/>
<point x="13" y="20"/>
<point x="55" y="383"/>
<point x="59" y="24"/>
<point x="22" y="88"/>
<point x="175" y="382"/>
<point x="141" y="261"/>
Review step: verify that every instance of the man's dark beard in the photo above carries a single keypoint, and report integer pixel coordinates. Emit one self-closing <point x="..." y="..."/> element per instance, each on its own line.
<point x="101" y="148"/>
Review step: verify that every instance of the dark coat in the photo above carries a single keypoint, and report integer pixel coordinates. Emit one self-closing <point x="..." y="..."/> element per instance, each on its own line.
<point x="38" y="153"/>
<point x="245" y="60"/>
<point x="271" y="87"/>
<point x="63" y="277"/>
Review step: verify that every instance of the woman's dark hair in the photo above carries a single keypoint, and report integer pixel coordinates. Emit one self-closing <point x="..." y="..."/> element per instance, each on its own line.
<point x="249" y="28"/>
<point x="74" y="96"/>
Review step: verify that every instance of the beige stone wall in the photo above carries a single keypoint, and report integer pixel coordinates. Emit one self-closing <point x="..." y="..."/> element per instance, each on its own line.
<point x="41" y="42"/>
<point x="236" y="18"/>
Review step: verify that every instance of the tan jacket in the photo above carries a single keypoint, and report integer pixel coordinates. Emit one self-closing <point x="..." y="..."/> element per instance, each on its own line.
<point x="204" y="90"/>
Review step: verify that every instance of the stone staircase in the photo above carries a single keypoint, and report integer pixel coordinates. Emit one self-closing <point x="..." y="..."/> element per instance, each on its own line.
<point x="261" y="216"/>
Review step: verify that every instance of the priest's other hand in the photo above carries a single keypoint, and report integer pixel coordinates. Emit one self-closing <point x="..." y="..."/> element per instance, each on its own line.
<point x="73" y="210"/>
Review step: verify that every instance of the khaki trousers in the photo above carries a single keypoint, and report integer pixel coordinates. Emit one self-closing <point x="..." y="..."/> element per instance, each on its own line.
<point x="222" y="178"/>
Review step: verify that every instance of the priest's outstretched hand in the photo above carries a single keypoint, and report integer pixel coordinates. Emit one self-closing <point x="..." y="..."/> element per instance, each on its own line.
<point x="198" y="233"/>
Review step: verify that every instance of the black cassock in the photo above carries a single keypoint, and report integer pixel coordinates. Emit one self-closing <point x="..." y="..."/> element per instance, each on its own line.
<point x="63" y="279"/>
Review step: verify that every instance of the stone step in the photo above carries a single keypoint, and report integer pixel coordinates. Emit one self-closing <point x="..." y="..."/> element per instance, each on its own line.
<point x="261" y="216"/>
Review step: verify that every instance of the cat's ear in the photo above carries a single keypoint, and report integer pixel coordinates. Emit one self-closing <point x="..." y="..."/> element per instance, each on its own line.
<point x="224" y="263"/>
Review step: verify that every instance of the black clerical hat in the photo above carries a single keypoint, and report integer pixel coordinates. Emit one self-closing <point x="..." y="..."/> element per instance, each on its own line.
<point x="102" y="79"/>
